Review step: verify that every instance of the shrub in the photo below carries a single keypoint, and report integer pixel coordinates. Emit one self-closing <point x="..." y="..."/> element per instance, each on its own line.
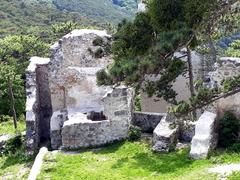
<point x="5" y="118"/>
<point x="99" y="53"/>
<point x="98" y="41"/>
<point x="134" y="133"/>
<point x="228" y="130"/>
<point x="13" y="145"/>
<point x="103" y="78"/>
<point x="235" y="147"/>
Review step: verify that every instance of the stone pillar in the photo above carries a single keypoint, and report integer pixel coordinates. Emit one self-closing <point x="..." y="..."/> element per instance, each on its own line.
<point x="205" y="138"/>
<point x="33" y="102"/>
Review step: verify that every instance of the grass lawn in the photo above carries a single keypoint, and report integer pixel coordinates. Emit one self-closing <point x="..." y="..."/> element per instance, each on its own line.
<point x="15" y="166"/>
<point x="8" y="128"/>
<point x="131" y="160"/>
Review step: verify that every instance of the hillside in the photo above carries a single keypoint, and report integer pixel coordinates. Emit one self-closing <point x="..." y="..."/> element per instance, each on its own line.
<point x="36" y="16"/>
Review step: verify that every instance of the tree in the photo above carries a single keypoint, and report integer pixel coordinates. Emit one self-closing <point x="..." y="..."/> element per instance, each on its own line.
<point x="234" y="49"/>
<point x="147" y="45"/>
<point x="11" y="91"/>
<point x="16" y="50"/>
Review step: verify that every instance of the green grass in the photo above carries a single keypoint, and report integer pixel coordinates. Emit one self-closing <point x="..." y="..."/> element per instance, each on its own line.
<point x="132" y="161"/>
<point x="15" y="166"/>
<point x="8" y="128"/>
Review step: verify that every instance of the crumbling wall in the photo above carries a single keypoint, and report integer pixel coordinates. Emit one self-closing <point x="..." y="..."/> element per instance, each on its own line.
<point x="38" y="103"/>
<point x="227" y="67"/>
<point x="75" y="59"/>
<point x="80" y="133"/>
<point x="147" y="121"/>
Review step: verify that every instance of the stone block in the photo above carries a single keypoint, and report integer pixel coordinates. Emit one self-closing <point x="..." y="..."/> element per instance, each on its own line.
<point x="146" y="121"/>
<point x="205" y="138"/>
<point x="165" y="137"/>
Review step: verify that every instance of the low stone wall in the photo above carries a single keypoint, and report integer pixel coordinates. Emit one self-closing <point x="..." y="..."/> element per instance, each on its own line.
<point x="92" y="134"/>
<point x="147" y="121"/>
<point x="79" y="132"/>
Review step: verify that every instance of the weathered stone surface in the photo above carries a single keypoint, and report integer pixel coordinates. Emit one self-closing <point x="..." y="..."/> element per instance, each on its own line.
<point x="57" y="121"/>
<point x="205" y="138"/>
<point x="72" y="71"/>
<point x="227" y="67"/>
<point x="187" y="131"/>
<point x="165" y="137"/>
<point x="37" y="122"/>
<point x="80" y="132"/>
<point x="146" y="121"/>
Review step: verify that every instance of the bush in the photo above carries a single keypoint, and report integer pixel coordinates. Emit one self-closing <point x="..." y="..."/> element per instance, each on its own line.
<point x="134" y="133"/>
<point x="13" y="145"/>
<point x="99" y="53"/>
<point x="5" y="118"/>
<point x="98" y="41"/>
<point x="235" y="147"/>
<point x="228" y="130"/>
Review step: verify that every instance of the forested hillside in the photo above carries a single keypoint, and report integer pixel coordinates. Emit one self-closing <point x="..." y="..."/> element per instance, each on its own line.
<point x="36" y="16"/>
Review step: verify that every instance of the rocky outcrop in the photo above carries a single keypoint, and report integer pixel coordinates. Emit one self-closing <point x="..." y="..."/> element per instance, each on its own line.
<point x="205" y="138"/>
<point x="165" y="136"/>
<point x="147" y="121"/>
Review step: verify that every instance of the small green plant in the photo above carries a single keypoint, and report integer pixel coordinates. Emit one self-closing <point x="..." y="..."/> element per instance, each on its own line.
<point x="235" y="147"/>
<point x="13" y="145"/>
<point x="228" y="130"/>
<point x="134" y="133"/>
<point x="98" y="41"/>
<point x="5" y="118"/>
<point x="99" y="53"/>
<point x="103" y="78"/>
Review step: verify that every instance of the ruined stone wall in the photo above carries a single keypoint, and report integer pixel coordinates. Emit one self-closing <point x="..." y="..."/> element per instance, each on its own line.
<point x="37" y="92"/>
<point x="86" y="133"/>
<point x="226" y="67"/>
<point x="75" y="59"/>
<point x="147" y="121"/>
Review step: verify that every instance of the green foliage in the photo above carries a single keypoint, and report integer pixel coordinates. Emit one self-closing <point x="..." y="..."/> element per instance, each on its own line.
<point x="98" y="41"/>
<point x="231" y="83"/>
<point x="134" y="133"/>
<point x="228" y="130"/>
<point x="234" y="176"/>
<point x="13" y="145"/>
<point x="8" y="128"/>
<point x="147" y="45"/>
<point x="36" y="17"/>
<point x="103" y="78"/>
<point x="138" y="102"/>
<point x="5" y="118"/>
<point x="234" y="49"/>
<point x="64" y="28"/>
<point x="16" y="50"/>
<point x="9" y="73"/>
<point x="98" y="53"/>
<point x="97" y="11"/>
<point x="235" y="147"/>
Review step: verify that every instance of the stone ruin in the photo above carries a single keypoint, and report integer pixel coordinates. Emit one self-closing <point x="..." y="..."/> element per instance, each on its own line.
<point x="66" y="107"/>
<point x="64" y="104"/>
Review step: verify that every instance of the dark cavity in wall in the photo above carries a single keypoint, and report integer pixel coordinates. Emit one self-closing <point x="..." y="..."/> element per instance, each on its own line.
<point x="45" y="104"/>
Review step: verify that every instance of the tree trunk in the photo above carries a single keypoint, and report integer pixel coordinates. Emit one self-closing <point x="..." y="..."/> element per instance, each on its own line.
<point x="213" y="50"/>
<point x="12" y="99"/>
<point x="191" y="78"/>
